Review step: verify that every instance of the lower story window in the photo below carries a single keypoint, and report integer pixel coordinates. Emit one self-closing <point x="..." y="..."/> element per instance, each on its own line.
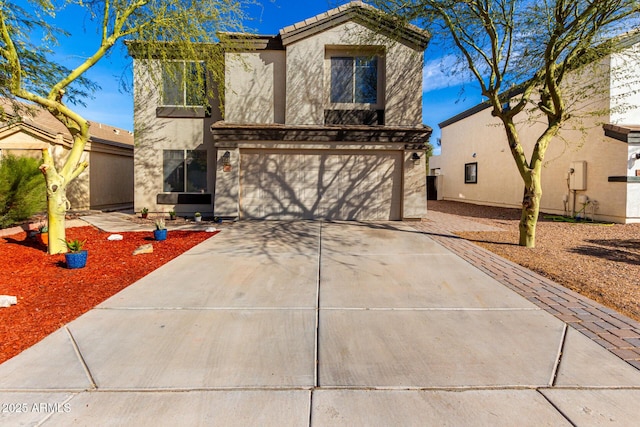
<point x="471" y="173"/>
<point x="185" y="171"/>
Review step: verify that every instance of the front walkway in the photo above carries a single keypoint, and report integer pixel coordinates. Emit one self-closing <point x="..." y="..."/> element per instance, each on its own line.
<point x="318" y="324"/>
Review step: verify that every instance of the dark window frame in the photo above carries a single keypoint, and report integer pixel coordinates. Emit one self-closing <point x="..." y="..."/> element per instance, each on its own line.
<point x="179" y="177"/>
<point x="471" y="173"/>
<point x="181" y="92"/>
<point x="354" y="79"/>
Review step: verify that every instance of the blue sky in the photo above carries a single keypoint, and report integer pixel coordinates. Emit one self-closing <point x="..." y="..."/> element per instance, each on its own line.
<point x="441" y="93"/>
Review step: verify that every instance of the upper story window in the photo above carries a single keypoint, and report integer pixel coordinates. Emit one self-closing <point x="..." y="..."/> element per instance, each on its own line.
<point x="354" y="79"/>
<point x="183" y="84"/>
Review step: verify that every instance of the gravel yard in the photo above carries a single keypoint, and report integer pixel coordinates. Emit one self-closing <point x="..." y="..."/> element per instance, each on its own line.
<point x="599" y="261"/>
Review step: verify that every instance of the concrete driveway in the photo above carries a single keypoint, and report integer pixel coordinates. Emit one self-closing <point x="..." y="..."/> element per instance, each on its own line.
<point x="323" y="324"/>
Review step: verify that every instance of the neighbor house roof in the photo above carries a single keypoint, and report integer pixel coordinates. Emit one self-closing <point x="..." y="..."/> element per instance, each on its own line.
<point x="363" y="14"/>
<point x="38" y="119"/>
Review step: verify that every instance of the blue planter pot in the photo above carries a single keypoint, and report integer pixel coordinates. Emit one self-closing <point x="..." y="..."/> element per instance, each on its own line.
<point x="76" y="259"/>
<point x="160" y="234"/>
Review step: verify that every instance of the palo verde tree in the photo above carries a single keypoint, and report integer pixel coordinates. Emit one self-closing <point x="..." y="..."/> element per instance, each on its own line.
<point x="29" y="72"/>
<point x="522" y="53"/>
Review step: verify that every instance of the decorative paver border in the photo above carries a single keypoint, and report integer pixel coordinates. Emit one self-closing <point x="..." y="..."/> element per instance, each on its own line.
<point x="617" y="333"/>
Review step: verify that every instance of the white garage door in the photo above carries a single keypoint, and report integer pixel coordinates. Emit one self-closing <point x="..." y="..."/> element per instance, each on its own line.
<point x="309" y="184"/>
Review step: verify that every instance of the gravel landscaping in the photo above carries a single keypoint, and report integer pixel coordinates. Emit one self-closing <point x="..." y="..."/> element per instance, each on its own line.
<point x="50" y="295"/>
<point x="600" y="261"/>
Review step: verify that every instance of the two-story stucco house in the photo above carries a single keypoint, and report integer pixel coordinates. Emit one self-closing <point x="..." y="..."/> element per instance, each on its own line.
<point x="323" y="120"/>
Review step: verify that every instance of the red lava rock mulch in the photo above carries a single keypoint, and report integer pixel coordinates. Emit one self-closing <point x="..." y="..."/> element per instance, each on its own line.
<point x="50" y="295"/>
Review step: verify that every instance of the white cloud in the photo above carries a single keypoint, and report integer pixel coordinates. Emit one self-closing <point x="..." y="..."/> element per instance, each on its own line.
<point x="443" y="73"/>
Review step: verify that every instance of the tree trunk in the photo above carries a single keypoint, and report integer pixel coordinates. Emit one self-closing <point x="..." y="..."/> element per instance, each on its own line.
<point x="530" y="209"/>
<point x="57" y="202"/>
<point x="56" y="210"/>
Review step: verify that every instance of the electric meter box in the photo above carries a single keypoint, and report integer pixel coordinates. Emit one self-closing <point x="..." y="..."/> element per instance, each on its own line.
<point x="578" y="176"/>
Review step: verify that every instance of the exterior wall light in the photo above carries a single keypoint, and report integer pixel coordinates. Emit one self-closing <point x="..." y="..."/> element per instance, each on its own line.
<point x="416" y="158"/>
<point x="226" y="162"/>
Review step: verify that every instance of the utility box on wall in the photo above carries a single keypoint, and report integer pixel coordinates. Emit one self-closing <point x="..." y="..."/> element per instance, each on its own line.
<point x="578" y="176"/>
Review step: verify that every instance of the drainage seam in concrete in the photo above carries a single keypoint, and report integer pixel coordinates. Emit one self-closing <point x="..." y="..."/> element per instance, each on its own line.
<point x="87" y="371"/>
<point x="316" y="367"/>
<point x="556" y="365"/>
<point x="538" y="388"/>
<point x="565" y="416"/>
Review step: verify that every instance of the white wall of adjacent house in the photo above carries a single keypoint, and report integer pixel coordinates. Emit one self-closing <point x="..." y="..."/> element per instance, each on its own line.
<point x="307" y="85"/>
<point x="480" y="138"/>
<point x="625" y="89"/>
<point x="625" y="86"/>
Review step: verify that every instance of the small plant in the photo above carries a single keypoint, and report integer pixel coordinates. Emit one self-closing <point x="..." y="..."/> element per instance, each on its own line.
<point x="160" y="224"/>
<point x="172" y="214"/>
<point x="43" y="229"/>
<point x="144" y="211"/>
<point x="75" y="245"/>
<point x="197" y="215"/>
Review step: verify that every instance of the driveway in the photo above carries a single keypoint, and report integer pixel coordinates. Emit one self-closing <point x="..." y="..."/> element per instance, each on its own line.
<point x="323" y="324"/>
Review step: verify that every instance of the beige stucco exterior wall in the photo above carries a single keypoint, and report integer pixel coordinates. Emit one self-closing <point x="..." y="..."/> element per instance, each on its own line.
<point x="18" y="141"/>
<point x="480" y="138"/>
<point x="255" y="87"/>
<point x="227" y="184"/>
<point x="154" y="134"/>
<point x="307" y="72"/>
<point x="415" y="188"/>
<point x="111" y="180"/>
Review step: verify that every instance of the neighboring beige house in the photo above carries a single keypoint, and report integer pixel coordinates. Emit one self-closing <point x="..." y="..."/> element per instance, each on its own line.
<point x="323" y="120"/>
<point x="107" y="184"/>
<point x="595" y="174"/>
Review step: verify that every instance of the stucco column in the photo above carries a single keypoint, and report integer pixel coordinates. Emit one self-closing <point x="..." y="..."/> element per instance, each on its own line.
<point x="415" y="186"/>
<point x="227" y="183"/>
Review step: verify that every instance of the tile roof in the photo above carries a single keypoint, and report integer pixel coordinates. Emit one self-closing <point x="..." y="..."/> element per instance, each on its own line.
<point x="37" y="117"/>
<point x="362" y="13"/>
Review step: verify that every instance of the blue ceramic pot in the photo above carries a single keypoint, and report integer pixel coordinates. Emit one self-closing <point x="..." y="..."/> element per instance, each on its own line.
<point x="160" y="234"/>
<point x="76" y="259"/>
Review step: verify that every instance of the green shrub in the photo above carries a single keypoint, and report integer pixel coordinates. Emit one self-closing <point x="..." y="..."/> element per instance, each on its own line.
<point x="22" y="189"/>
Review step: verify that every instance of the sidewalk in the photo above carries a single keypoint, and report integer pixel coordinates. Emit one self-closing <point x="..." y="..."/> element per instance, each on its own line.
<point x="323" y="324"/>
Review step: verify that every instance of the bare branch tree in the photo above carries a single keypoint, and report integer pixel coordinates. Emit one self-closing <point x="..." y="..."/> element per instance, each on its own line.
<point x="521" y="52"/>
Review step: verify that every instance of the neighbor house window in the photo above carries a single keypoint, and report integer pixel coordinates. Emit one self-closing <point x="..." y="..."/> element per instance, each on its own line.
<point x="354" y="79"/>
<point x="471" y="173"/>
<point x="183" y="84"/>
<point x="185" y="171"/>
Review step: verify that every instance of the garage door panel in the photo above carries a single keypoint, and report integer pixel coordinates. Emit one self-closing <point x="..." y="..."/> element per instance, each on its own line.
<point x="286" y="184"/>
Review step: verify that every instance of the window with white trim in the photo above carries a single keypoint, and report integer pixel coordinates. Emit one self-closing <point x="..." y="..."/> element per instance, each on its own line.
<point x="183" y="84"/>
<point x="185" y="171"/>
